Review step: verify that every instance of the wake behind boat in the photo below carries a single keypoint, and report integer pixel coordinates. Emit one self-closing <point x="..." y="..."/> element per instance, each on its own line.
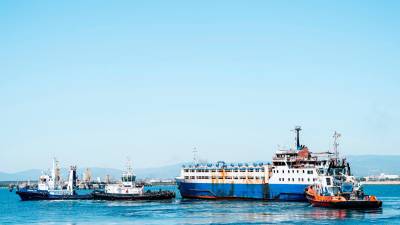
<point x="129" y="190"/>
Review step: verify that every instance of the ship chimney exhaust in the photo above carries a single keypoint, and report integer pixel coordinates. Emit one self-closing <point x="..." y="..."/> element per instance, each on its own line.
<point x="297" y="129"/>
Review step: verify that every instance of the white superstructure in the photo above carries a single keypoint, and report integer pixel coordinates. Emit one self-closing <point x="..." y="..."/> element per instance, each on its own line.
<point x="127" y="185"/>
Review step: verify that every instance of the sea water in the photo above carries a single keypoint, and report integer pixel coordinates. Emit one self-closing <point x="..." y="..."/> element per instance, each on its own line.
<point x="185" y="211"/>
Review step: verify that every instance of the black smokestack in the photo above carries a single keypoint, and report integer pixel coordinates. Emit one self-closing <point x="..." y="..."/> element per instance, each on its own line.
<point x="297" y="129"/>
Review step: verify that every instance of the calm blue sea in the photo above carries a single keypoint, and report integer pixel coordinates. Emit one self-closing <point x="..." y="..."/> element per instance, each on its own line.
<point x="180" y="211"/>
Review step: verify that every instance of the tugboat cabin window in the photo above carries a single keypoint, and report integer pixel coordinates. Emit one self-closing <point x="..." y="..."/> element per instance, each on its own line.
<point x="128" y="178"/>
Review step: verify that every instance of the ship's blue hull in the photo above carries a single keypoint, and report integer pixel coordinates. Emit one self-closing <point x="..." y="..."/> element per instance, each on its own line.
<point x="217" y="190"/>
<point x="281" y="192"/>
<point x="34" y="194"/>
<point x="287" y="192"/>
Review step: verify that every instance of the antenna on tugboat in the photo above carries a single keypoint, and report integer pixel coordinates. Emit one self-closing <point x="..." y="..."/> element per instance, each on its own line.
<point x="128" y="164"/>
<point x="336" y="136"/>
<point x="297" y="129"/>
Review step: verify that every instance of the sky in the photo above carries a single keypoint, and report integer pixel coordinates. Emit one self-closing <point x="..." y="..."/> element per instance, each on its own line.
<point x="92" y="82"/>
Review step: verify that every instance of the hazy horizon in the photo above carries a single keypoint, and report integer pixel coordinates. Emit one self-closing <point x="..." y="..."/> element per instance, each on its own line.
<point x="94" y="82"/>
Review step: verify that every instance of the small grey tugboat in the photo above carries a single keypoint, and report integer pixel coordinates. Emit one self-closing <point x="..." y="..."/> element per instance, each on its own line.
<point x="129" y="190"/>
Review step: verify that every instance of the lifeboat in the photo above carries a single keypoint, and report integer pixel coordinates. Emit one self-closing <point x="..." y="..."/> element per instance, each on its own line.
<point x="359" y="201"/>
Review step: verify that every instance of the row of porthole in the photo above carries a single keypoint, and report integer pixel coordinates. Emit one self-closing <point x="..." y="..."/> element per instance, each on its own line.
<point x="227" y="177"/>
<point x="283" y="171"/>
<point x="298" y="179"/>
<point x="221" y="170"/>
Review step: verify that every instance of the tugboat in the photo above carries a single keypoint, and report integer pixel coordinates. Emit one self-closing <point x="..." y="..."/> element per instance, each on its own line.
<point x="50" y="187"/>
<point x="129" y="190"/>
<point x="337" y="188"/>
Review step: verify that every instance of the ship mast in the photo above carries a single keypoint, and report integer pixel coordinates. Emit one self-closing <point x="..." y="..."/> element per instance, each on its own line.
<point x="194" y="155"/>
<point x="336" y="136"/>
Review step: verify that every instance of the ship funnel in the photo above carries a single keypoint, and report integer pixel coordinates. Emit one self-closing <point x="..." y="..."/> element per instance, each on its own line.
<point x="297" y="129"/>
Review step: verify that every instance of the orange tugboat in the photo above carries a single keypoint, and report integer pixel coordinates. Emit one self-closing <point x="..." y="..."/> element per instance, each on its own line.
<point x="342" y="202"/>
<point x="337" y="188"/>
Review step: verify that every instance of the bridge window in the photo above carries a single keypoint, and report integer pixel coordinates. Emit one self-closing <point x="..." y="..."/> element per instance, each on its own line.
<point x="186" y="170"/>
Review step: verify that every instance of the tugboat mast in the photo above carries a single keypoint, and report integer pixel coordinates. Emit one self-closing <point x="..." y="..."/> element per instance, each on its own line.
<point x="336" y="136"/>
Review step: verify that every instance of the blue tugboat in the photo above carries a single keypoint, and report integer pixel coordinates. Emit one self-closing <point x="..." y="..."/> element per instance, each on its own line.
<point x="50" y="187"/>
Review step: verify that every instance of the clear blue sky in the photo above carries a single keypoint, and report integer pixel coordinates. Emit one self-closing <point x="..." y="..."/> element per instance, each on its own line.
<point x="92" y="82"/>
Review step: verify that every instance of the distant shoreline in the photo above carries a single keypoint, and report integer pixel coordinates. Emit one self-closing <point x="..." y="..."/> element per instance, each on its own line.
<point x="380" y="182"/>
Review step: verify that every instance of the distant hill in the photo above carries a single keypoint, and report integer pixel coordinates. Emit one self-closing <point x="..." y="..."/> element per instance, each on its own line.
<point x="170" y="171"/>
<point x="361" y="165"/>
<point x="364" y="165"/>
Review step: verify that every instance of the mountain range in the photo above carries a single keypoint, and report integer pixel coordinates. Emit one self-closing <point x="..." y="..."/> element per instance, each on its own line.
<point x="361" y="165"/>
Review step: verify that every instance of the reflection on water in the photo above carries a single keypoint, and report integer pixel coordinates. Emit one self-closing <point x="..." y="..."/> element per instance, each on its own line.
<point x="184" y="211"/>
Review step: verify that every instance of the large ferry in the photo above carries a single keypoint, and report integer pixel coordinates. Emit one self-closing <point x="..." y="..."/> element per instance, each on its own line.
<point x="291" y="171"/>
